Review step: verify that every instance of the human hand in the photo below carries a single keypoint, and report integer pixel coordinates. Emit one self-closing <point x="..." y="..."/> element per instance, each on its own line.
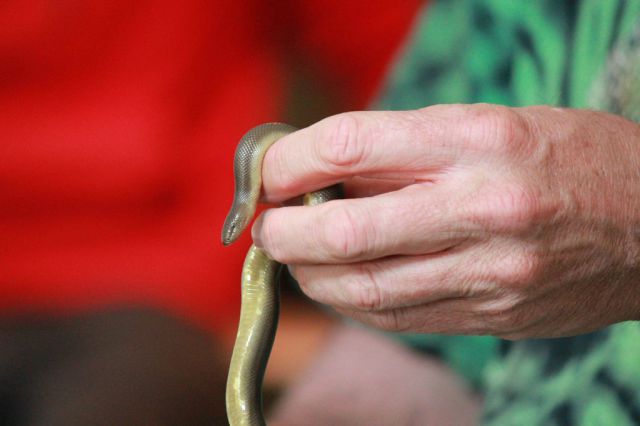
<point x="465" y="219"/>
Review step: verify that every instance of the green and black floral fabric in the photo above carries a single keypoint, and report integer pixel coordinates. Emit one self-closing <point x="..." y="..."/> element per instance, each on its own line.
<point x="575" y="53"/>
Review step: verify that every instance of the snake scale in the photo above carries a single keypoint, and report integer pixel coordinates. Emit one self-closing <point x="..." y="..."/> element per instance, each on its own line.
<point x="259" y="284"/>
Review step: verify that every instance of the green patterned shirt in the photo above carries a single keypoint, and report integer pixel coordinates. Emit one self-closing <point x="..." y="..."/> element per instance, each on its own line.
<point x="575" y="53"/>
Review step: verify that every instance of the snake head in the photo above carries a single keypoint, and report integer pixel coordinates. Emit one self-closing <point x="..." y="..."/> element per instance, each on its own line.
<point x="234" y="225"/>
<point x="247" y="176"/>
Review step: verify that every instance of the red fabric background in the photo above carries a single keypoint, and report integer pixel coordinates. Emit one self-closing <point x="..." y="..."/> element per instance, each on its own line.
<point x="119" y="120"/>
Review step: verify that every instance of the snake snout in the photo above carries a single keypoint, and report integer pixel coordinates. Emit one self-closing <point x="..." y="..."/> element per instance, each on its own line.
<point x="230" y="233"/>
<point x="234" y="225"/>
<point x="227" y="235"/>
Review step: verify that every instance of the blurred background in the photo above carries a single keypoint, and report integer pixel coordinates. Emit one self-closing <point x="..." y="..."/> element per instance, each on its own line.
<point x="118" y="124"/>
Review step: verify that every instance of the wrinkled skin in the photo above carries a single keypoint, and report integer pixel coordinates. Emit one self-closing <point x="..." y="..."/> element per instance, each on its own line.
<point x="480" y="219"/>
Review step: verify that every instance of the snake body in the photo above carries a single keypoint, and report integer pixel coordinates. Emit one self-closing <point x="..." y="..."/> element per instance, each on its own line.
<point x="260" y="288"/>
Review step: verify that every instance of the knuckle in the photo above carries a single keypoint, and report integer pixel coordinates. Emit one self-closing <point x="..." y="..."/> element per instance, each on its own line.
<point x="392" y="320"/>
<point x="520" y="270"/>
<point x="347" y="144"/>
<point x="503" y="316"/>
<point x="500" y="129"/>
<point x="507" y="208"/>
<point x="363" y="291"/>
<point x="345" y="235"/>
<point x="516" y="208"/>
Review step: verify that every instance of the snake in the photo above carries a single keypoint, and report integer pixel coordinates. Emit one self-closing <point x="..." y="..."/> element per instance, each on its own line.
<point x="260" y="290"/>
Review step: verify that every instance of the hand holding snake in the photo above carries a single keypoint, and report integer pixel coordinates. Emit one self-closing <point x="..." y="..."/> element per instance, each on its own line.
<point x="463" y="219"/>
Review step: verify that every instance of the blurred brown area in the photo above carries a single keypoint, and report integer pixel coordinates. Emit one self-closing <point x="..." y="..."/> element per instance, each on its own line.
<point x="125" y="366"/>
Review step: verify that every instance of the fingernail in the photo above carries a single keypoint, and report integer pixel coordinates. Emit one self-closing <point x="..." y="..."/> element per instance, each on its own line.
<point x="256" y="231"/>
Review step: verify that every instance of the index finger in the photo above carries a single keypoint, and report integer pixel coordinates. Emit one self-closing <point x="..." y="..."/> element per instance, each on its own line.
<point x="398" y="143"/>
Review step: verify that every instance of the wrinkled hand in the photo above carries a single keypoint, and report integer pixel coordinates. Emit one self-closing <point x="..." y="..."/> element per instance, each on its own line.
<point x="466" y="219"/>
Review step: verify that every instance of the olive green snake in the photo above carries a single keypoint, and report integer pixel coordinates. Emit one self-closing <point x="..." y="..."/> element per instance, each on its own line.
<point x="259" y="284"/>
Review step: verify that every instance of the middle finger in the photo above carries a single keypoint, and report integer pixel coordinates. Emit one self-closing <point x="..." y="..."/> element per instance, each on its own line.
<point x="417" y="219"/>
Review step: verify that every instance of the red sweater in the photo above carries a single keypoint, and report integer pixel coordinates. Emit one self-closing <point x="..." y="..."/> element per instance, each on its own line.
<point x="119" y="120"/>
